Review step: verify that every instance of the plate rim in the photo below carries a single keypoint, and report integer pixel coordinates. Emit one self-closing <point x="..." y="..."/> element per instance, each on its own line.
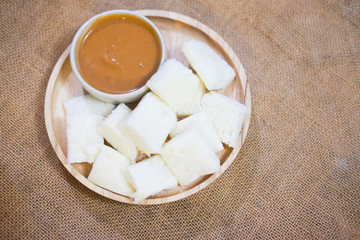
<point x="117" y="197"/>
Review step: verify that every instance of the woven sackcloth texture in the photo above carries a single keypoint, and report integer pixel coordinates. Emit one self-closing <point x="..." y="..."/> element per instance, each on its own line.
<point x="297" y="175"/>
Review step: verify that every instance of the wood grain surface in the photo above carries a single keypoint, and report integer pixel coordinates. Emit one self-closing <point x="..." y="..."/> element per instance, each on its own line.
<point x="175" y="29"/>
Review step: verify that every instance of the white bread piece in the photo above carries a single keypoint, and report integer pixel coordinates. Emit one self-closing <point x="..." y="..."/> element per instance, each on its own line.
<point x="201" y="122"/>
<point x="150" y="177"/>
<point x="107" y="171"/>
<point x="110" y="130"/>
<point x="92" y="150"/>
<point x="88" y="105"/>
<point x="227" y="116"/>
<point x="175" y="84"/>
<point x="212" y="69"/>
<point x="149" y="124"/>
<point x="82" y="131"/>
<point x="189" y="157"/>
<point x="195" y="105"/>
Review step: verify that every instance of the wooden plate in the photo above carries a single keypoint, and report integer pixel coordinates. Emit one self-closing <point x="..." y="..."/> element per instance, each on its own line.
<point x="176" y="29"/>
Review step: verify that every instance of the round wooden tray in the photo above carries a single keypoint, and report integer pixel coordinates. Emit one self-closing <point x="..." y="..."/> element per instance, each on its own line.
<point x="175" y="29"/>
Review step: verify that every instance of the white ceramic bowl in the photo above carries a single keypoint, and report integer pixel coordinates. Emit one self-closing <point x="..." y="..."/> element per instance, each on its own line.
<point x="107" y="97"/>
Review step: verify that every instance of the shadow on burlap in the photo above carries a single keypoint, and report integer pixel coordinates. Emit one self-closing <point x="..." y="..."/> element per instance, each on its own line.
<point x="297" y="175"/>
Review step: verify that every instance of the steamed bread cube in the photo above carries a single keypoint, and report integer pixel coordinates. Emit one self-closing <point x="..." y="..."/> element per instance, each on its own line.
<point x="175" y="84"/>
<point x="194" y="106"/>
<point x="110" y="130"/>
<point x="82" y="131"/>
<point x="202" y="122"/>
<point x="150" y="177"/>
<point x="189" y="157"/>
<point x="107" y="171"/>
<point x="212" y="69"/>
<point x="227" y="116"/>
<point x="92" y="150"/>
<point x="88" y="105"/>
<point x="149" y="124"/>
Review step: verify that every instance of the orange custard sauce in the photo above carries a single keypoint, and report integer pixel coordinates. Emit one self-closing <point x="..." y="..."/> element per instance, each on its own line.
<point x="118" y="54"/>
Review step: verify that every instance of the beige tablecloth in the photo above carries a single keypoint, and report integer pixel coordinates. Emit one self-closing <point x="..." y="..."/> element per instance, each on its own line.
<point x="297" y="175"/>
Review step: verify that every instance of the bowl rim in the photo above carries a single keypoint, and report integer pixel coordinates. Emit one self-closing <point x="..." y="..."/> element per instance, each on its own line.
<point x="122" y="97"/>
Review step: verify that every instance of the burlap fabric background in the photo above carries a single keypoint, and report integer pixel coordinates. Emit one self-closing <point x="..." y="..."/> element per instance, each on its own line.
<point x="297" y="176"/>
